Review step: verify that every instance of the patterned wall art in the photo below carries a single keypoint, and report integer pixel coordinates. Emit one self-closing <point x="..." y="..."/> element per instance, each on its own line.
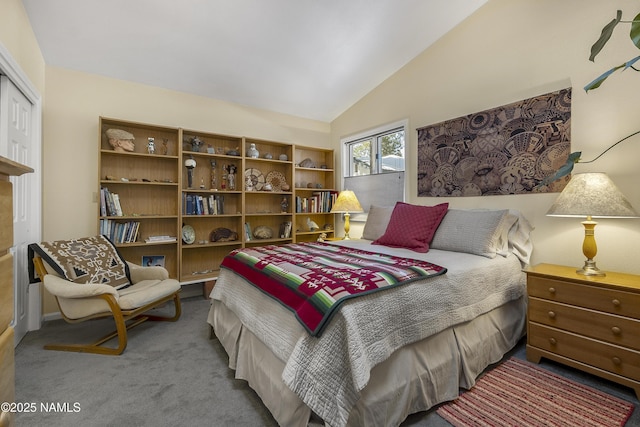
<point x="505" y="150"/>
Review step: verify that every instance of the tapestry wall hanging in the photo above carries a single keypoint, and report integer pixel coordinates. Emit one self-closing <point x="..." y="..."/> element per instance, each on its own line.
<point x="505" y="150"/>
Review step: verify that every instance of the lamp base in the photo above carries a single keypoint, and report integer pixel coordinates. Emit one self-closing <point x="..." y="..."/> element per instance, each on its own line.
<point x="346" y="226"/>
<point x="590" y="269"/>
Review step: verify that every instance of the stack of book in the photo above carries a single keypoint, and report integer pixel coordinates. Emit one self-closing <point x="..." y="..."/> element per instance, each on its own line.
<point x="120" y="232"/>
<point x="318" y="202"/>
<point x="194" y="204"/>
<point x="109" y="203"/>
<point x="160" y="239"/>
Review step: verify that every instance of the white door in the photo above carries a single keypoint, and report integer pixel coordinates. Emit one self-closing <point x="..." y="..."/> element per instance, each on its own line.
<point x="17" y="143"/>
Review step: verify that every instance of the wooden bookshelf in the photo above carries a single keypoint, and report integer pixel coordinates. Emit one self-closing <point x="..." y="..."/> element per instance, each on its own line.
<point x="153" y="189"/>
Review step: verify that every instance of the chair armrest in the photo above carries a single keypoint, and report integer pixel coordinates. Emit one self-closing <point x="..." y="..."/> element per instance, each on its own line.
<point x="140" y="273"/>
<point x="65" y="289"/>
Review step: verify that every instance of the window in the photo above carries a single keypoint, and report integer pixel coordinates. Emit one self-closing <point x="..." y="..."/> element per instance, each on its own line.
<point x="378" y="153"/>
<point x="376" y="160"/>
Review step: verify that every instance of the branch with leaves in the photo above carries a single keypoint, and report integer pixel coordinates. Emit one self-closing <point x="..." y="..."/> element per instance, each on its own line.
<point x="607" y="31"/>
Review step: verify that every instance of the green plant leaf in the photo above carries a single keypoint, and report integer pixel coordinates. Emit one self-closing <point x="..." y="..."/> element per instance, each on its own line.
<point x="598" y="81"/>
<point x="635" y="31"/>
<point x="629" y="64"/>
<point x="605" y="36"/>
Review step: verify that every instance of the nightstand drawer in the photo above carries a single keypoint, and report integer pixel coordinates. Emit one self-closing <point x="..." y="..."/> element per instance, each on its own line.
<point x="618" y="330"/>
<point x="596" y="353"/>
<point x="597" y="298"/>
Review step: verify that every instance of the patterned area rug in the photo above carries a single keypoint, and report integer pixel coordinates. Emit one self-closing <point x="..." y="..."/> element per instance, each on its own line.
<point x="518" y="393"/>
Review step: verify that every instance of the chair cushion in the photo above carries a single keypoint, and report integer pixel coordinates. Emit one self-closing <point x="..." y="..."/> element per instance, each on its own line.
<point x="86" y="260"/>
<point x="145" y="292"/>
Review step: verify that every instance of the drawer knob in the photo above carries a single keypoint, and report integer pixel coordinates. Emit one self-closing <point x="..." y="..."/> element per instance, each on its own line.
<point x="553" y="341"/>
<point x="616" y="330"/>
<point x="616" y="360"/>
<point x="616" y="302"/>
<point x="552" y="315"/>
<point x="552" y="290"/>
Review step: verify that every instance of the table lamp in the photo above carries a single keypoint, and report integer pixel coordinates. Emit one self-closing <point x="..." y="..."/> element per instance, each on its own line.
<point x="345" y="203"/>
<point x="591" y="195"/>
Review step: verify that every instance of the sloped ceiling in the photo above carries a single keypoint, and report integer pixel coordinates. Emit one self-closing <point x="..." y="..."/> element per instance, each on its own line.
<point x="308" y="58"/>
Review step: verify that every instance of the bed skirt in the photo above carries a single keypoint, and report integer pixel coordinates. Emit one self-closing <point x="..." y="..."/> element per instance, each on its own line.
<point x="415" y="378"/>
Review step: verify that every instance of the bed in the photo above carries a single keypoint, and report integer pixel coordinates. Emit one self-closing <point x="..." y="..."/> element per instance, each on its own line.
<point x="387" y="354"/>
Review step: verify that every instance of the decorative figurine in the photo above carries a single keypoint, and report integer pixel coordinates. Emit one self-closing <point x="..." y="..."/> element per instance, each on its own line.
<point x="190" y="164"/>
<point x="232" y="177"/>
<point x="253" y="151"/>
<point x="321" y="237"/>
<point x="195" y="144"/>
<point x="312" y="225"/>
<point x="263" y="232"/>
<point x="164" y="149"/>
<point x="284" y="205"/>
<point x="151" y="146"/>
<point x="222" y="234"/>
<point x="120" y="140"/>
<point x="248" y="184"/>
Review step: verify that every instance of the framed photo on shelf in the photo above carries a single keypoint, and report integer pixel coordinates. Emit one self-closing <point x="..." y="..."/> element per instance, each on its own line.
<point x="153" y="260"/>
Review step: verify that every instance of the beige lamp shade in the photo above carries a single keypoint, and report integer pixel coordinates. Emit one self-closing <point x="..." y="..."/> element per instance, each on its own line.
<point x="345" y="203"/>
<point x="591" y="195"/>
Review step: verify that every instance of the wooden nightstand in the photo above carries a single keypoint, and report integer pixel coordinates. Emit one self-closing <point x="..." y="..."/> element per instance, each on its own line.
<point x="589" y="323"/>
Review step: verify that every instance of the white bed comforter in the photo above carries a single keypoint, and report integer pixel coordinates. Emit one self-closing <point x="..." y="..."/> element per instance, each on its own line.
<point x="328" y="372"/>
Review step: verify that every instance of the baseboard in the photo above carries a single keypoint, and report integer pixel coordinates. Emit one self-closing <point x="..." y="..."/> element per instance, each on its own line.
<point x="51" y="316"/>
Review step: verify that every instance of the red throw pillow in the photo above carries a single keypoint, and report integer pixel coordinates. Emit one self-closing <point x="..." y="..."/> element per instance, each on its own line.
<point x="412" y="226"/>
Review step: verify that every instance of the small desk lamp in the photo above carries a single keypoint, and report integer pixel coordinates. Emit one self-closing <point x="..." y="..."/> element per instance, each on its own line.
<point x="591" y="195"/>
<point x="345" y="203"/>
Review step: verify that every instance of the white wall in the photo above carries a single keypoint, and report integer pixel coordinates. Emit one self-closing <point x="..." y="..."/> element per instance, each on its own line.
<point x="511" y="50"/>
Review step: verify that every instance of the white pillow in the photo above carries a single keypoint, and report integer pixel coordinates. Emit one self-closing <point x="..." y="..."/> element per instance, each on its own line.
<point x="519" y="238"/>
<point x="377" y="221"/>
<point x="476" y="231"/>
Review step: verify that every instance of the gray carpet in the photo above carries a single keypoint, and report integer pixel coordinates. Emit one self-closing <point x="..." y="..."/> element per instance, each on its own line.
<point x="170" y="374"/>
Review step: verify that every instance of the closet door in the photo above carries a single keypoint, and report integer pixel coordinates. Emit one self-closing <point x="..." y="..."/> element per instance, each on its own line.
<point x="18" y="143"/>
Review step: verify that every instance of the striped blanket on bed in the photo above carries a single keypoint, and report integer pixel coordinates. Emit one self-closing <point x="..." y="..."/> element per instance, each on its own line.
<point x="313" y="279"/>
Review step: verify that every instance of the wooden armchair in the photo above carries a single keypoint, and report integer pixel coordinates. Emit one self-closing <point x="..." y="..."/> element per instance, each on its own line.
<point x="90" y="280"/>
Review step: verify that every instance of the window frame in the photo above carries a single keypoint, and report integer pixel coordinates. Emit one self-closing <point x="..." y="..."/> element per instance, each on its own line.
<point x="368" y="196"/>
<point x="374" y="135"/>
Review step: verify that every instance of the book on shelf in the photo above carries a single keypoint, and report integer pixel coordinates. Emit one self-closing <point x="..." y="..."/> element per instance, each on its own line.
<point x="285" y="230"/>
<point x="248" y="234"/>
<point x="116" y="202"/>
<point x="103" y="202"/>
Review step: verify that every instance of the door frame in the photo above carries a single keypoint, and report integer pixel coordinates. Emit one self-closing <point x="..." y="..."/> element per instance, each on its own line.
<point x="10" y="68"/>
